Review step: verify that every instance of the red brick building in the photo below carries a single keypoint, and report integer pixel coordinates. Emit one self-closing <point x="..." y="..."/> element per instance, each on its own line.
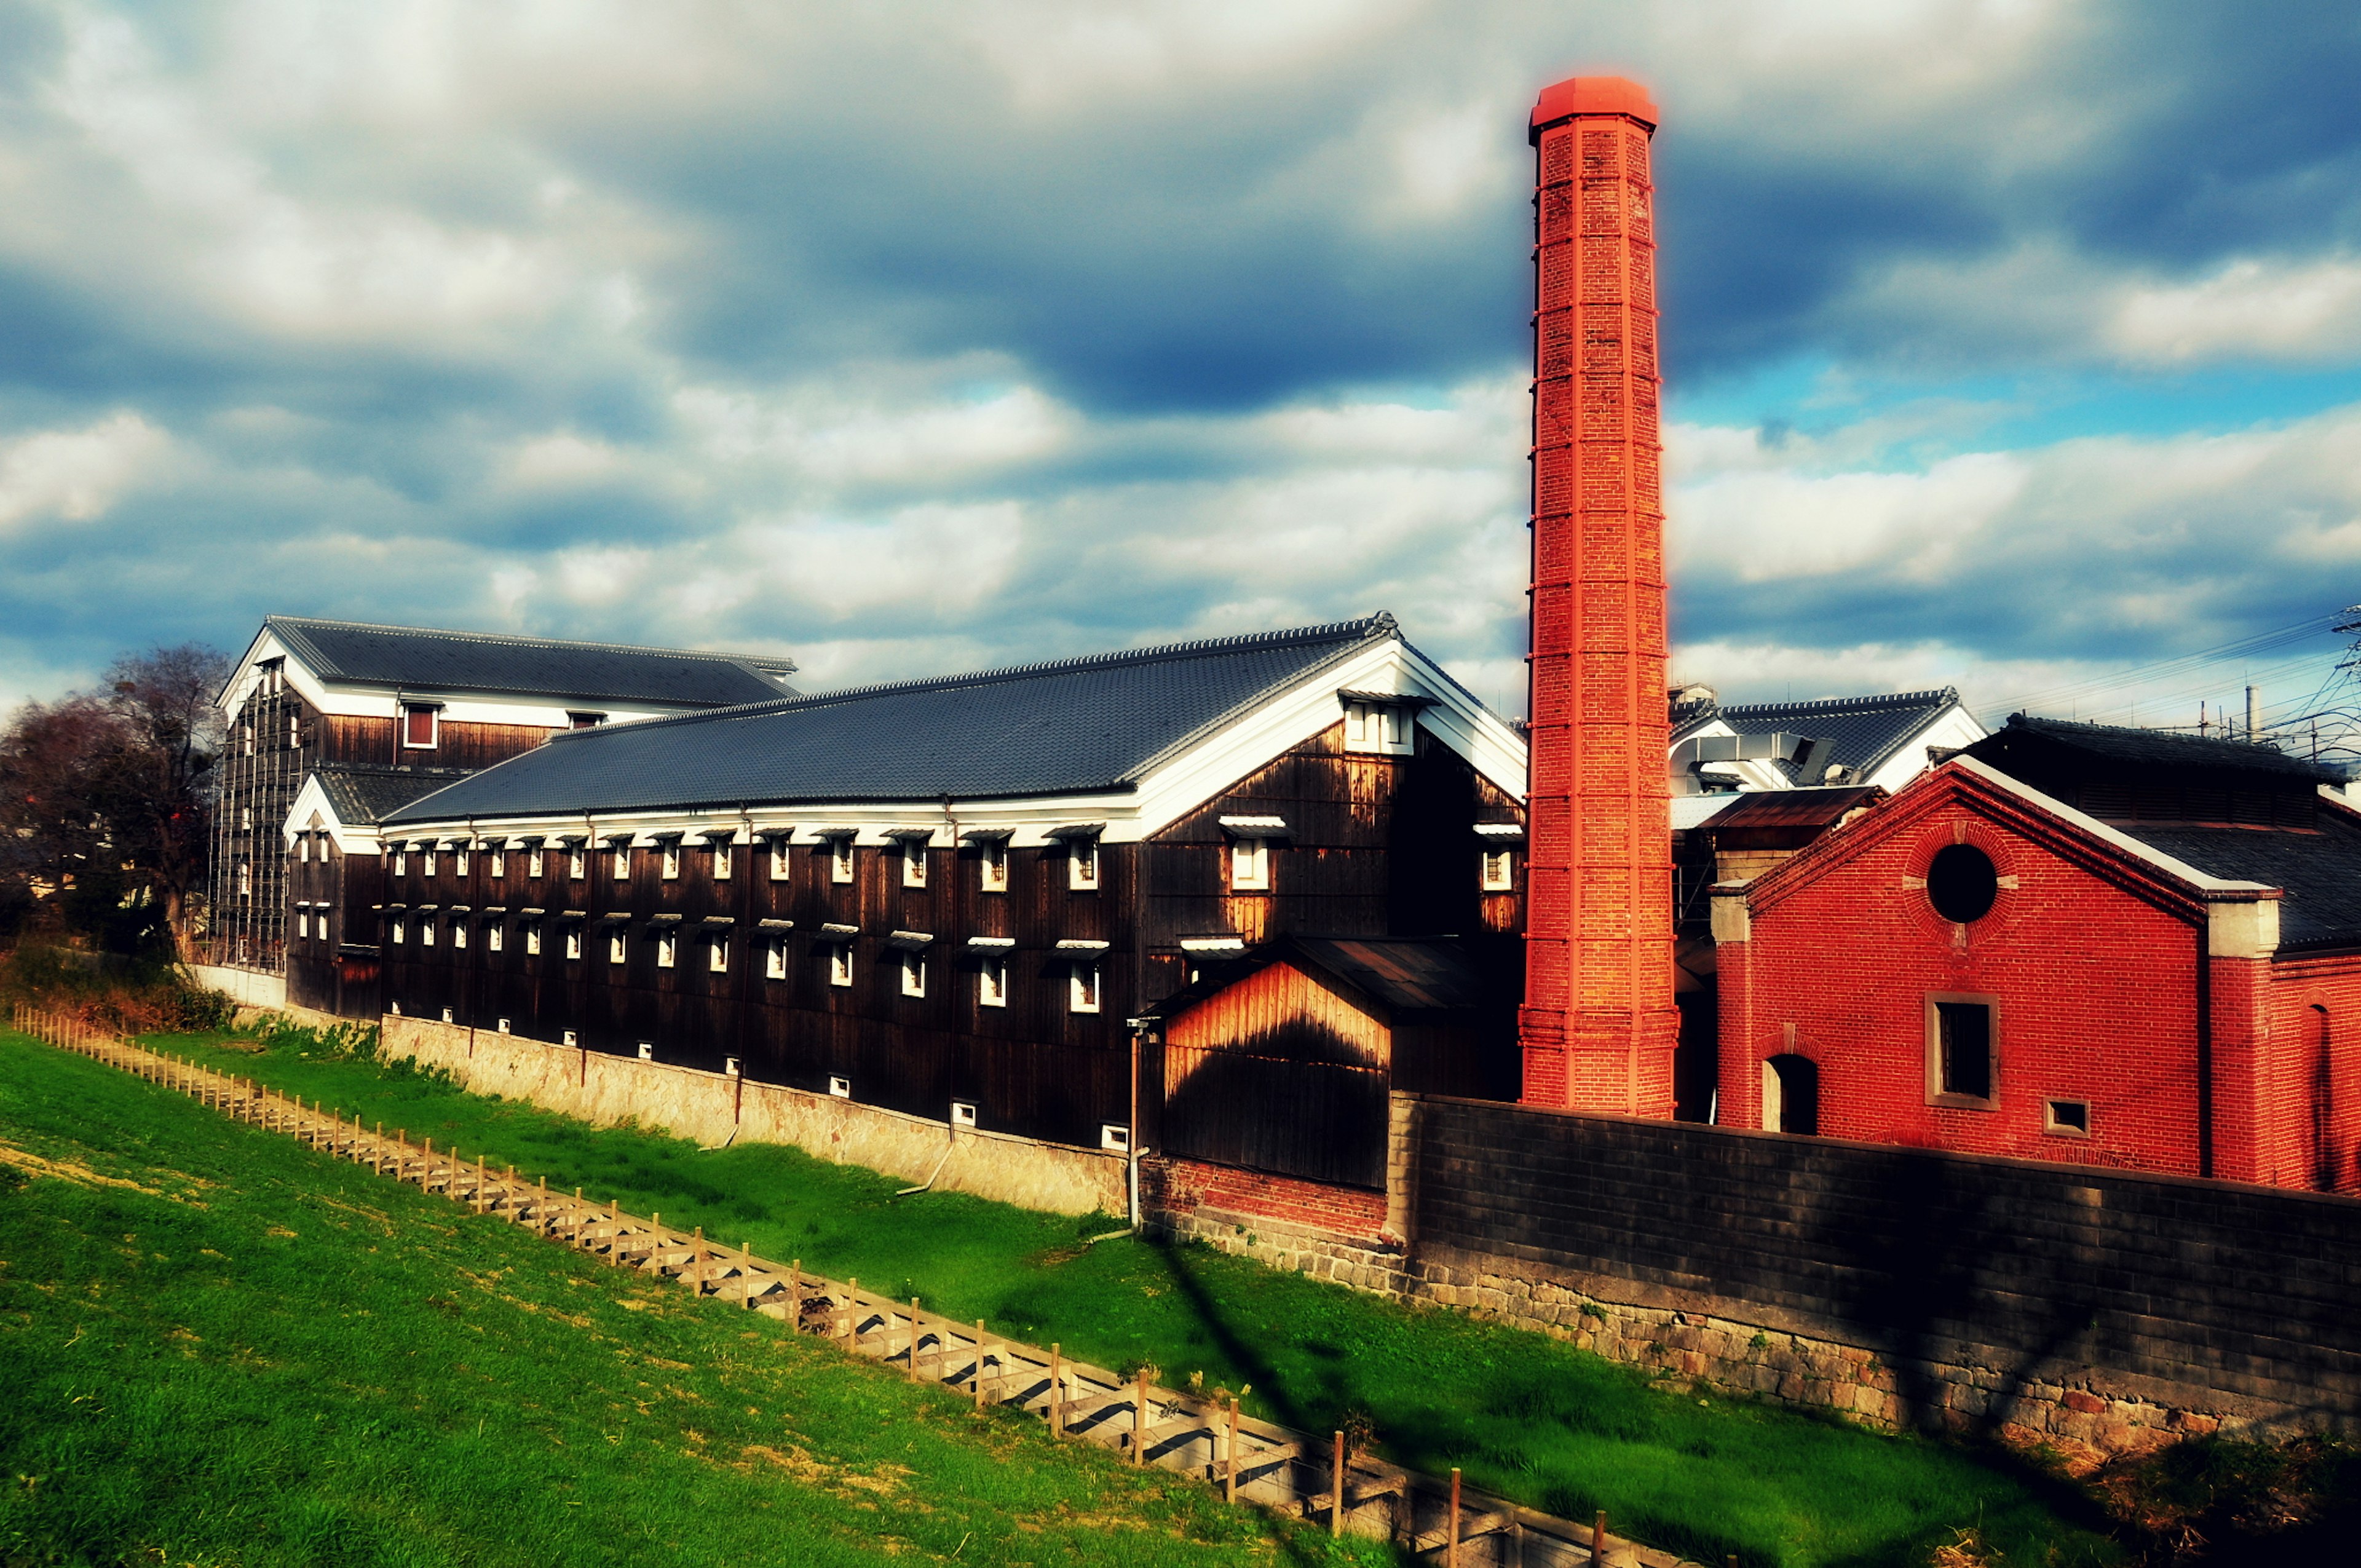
<point x="2069" y="942"/>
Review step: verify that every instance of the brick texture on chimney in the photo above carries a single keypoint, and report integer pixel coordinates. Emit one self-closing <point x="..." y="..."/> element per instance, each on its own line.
<point x="1598" y="1024"/>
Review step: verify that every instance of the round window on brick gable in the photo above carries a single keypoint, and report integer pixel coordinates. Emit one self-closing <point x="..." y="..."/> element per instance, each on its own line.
<point x="1961" y="883"/>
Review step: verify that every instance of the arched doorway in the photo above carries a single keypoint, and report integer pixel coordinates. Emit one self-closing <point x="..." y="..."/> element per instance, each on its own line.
<point x="1791" y="1095"/>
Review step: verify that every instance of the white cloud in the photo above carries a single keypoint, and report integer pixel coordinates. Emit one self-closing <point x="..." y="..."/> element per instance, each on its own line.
<point x="2251" y="309"/>
<point x="75" y="476"/>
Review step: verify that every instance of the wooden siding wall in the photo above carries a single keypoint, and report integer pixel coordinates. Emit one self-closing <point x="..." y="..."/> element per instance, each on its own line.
<point x="336" y="969"/>
<point x="1280" y="1073"/>
<point x="349" y="737"/>
<point x="1382" y="845"/>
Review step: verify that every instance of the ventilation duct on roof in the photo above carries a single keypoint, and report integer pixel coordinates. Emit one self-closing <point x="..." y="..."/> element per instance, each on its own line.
<point x="1701" y="761"/>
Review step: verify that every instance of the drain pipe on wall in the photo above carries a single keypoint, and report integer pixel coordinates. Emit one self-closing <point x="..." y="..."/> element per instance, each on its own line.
<point x="1131" y="1139"/>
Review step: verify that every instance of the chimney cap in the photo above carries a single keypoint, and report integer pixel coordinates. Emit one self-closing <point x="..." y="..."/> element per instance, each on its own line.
<point x="1594" y="96"/>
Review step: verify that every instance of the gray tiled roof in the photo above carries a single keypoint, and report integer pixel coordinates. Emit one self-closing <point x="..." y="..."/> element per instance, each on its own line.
<point x="1862" y="732"/>
<point x="424" y="660"/>
<point x="363" y="792"/>
<point x="2320" y="870"/>
<point x="1074" y="726"/>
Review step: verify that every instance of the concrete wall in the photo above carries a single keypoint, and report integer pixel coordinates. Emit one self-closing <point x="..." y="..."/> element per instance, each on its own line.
<point x="714" y="1108"/>
<point x="245" y="987"/>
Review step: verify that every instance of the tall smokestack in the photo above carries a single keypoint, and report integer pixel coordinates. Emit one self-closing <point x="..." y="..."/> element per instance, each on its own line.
<point x="1598" y="1025"/>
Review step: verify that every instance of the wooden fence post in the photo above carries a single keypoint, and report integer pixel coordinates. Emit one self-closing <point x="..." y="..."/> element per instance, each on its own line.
<point x="914" y="1339"/>
<point x="852" y="1313"/>
<point x="1139" y="1421"/>
<point x="1451" y="1526"/>
<point x="1057" y="1393"/>
<point x="1598" y="1539"/>
<point x="978" y="1363"/>
<point x="1336" y="1489"/>
<point x="1230" y="1470"/>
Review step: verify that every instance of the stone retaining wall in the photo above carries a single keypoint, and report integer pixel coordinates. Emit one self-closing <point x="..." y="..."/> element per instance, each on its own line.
<point x="717" y="1108"/>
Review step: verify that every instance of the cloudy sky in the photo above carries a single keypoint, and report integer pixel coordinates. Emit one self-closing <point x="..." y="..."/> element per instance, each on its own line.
<point x="2008" y="343"/>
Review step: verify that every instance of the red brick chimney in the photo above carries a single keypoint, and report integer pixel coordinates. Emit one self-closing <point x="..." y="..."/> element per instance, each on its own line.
<point x="1598" y="1024"/>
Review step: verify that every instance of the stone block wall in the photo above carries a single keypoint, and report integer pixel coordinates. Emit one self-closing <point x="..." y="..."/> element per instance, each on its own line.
<point x="2092" y="1309"/>
<point x="718" y="1108"/>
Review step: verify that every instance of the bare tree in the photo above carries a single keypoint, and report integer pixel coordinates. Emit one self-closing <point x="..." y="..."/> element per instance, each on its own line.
<point x="105" y="797"/>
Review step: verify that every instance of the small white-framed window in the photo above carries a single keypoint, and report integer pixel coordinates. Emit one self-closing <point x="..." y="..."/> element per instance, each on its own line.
<point x="535" y="865"/>
<point x="245" y="878"/>
<point x="533" y="940"/>
<point x="1114" y="1137"/>
<point x="493" y="937"/>
<point x="459" y="861"/>
<point x="1083" y="864"/>
<point x="294" y="730"/>
<point x="303" y="922"/>
<point x="499" y="868"/>
<point x="426" y="932"/>
<point x="775" y="961"/>
<point x="914" y="862"/>
<point x="840" y="963"/>
<point x="246" y="818"/>
<point x="622" y="853"/>
<point x="245" y="738"/>
<point x="647" y="1050"/>
<point x="503" y="1026"/>
<point x="1381" y="727"/>
<point x="1083" y="989"/>
<point x="991" y="863"/>
<point x="459" y="933"/>
<point x="569" y="1039"/>
<point x="446" y="1015"/>
<point x="426" y="862"/>
<point x="578" y="858"/>
<point x="672" y="860"/>
<point x="303" y="846"/>
<point x="723" y="858"/>
<point x="914" y="974"/>
<point x="779" y="858"/>
<point x="667" y="949"/>
<point x="584" y="721"/>
<point x="842" y="1087"/>
<point x="573" y="941"/>
<point x="839" y="858"/>
<point x="615" y="943"/>
<point x="1250" y="865"/>
<point x="401" y="932"/>
<point x="421" y="726"/>
<point x="991" y="982"/>
<point x="962" y="1113"/>
<point x="717" y="953"/>
<point x="1499" y="872"/>
<point x="401" y="862"/>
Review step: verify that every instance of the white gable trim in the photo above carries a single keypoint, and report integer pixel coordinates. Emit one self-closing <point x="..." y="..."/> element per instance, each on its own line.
<point x="312" y="806"/>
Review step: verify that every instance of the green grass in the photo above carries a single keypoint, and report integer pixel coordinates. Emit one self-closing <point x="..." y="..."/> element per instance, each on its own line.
<point x="217" y="1347"/>
<point x="1524" y="1415"/>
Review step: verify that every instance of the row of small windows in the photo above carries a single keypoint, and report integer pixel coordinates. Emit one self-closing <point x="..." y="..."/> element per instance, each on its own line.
<point x="1249" y="862"/>
<point x="990" y="969"/>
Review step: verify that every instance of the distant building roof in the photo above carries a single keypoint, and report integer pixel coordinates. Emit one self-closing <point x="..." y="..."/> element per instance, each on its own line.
<point x="2111" y="745"/>
<point x="1820" y="806"/>
<point x="421" y="659"/>
<point x="364" y="794"/>
<point x="1862" y="732"/>
<point x="1073" y="726"/>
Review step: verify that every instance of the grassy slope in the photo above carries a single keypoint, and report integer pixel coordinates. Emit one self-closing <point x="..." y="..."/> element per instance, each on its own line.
<point x="1525" y="1414"/>
<point x="239" y="1352"/>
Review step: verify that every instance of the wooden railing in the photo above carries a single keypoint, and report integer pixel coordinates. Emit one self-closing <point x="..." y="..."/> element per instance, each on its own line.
<point x="1252" y="1461"/>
